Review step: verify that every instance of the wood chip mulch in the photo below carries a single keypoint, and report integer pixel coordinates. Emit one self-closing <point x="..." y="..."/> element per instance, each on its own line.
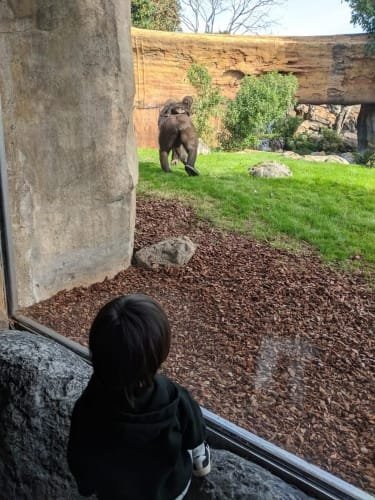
<point x="278" y="343"/>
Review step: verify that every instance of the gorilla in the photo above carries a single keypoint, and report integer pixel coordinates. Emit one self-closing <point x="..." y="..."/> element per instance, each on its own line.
<point x="178" y="134"/>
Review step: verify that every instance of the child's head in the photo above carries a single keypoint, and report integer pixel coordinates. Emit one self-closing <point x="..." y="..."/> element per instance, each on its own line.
<point x="129" y="340"/>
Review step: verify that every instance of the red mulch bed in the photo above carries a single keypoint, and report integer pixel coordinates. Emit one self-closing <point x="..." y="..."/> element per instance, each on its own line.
<point x="278" y="343"/>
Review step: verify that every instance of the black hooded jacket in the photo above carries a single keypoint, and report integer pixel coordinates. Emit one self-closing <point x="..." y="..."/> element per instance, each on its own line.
<point x="137" y="453"/>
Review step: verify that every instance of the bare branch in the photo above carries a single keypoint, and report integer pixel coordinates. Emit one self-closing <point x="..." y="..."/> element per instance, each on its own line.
<point x="240" y="16"/>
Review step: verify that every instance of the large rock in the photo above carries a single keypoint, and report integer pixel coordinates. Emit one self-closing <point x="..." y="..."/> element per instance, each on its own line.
<point x="330" y="69"/>
<point x="349" y="157"/>
<point x="326" y="159"/>
<point x="315" y="116"/>
<point x="67" y="89"/>
<point x="271" y="169"/>
<point x="292" y="155"/>
<point x="233" y="477"/>
<point x="173" y="252"/>
<point x="39" y="382"/>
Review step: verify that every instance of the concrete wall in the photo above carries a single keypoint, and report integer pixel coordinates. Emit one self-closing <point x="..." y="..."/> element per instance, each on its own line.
<point x="67" y="90"/>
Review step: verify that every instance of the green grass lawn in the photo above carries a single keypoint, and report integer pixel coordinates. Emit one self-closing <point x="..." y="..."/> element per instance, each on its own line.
<point x="329" y="206"/>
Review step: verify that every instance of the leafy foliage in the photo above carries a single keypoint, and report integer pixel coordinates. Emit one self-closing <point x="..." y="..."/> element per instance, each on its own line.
<point x="287" y="127"/>
<point x="206" y="104"/>
<point x="371" y="161"/>
<point x="367" y="158"/>
<point x="284" y="131"/>
<point x="363" y="14"/>
<point x="161" y="15"/>
<point x="259" y="108"/>
<point x="328" y="140"/>
<point x="303" y="144"/>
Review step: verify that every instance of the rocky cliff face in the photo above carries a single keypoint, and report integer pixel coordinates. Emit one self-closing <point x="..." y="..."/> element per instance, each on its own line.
<point x="330" y="69"/>
<point x="343" y="119"/>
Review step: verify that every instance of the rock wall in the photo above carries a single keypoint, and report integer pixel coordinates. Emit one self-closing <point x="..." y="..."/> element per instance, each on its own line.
<point x="67" y="91"/>
<point x="343" y="119"/>
<point x="330" y="69"/>
<point x="39" y="383"/>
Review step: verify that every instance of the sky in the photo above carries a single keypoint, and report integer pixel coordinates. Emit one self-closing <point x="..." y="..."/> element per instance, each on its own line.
<point x="313" y="17"/>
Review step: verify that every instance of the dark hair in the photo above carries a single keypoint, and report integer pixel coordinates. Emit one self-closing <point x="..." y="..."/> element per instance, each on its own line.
<point x="129" y="340"/>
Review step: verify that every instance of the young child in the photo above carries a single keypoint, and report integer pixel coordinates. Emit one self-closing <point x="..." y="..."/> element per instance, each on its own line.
<point x="135" y="434"/>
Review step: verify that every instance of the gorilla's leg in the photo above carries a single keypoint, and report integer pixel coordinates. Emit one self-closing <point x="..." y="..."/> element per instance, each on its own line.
<point x="168" y="134"/>
<point x="178" y="153"/>
<point x="163" y="157"/>
<point x="189" y="140"/>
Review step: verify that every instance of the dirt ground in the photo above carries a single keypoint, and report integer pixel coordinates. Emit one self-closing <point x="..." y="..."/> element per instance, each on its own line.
<point x="278" y="343"/>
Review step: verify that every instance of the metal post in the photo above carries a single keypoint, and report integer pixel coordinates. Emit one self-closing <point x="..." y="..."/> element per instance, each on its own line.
<point x="6" y="237"/>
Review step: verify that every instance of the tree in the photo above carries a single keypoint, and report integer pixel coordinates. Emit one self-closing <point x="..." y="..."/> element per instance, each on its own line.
<point x="155" y="14"/>
<point x="363" y="14"/>
<point x="227" y="16"/>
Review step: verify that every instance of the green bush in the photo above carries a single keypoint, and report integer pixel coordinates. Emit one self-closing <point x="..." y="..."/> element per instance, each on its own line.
<point x="283" y="131"/>
<point x="303" y="144"/>
<point x="287" y="127"/>
<point x="367" y="158"/>
<point x="371" y="161"/>
<point x="330" y="141"/>
<point x="260" y="105"/>
<point x="206" y="104"/>
<point x="230" y="143"/>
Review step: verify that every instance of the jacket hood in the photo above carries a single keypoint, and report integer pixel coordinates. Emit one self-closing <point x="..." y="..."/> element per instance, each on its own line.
<point x="155" y="411"/>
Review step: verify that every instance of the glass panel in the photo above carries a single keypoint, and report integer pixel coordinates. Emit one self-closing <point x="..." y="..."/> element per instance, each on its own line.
<point x="274" y="340"/>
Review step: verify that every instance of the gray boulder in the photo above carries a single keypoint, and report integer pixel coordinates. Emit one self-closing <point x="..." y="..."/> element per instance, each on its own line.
<point x="319" y="153"/>
<point x="326" y="159"/>
<point x="270" y="169"/>
<point x="174" y="252"/>
<point x="232" y="477"/>
<point x="349" y="157"/>
<point x="292" y="155"/>
<point x="40" y="381"/>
